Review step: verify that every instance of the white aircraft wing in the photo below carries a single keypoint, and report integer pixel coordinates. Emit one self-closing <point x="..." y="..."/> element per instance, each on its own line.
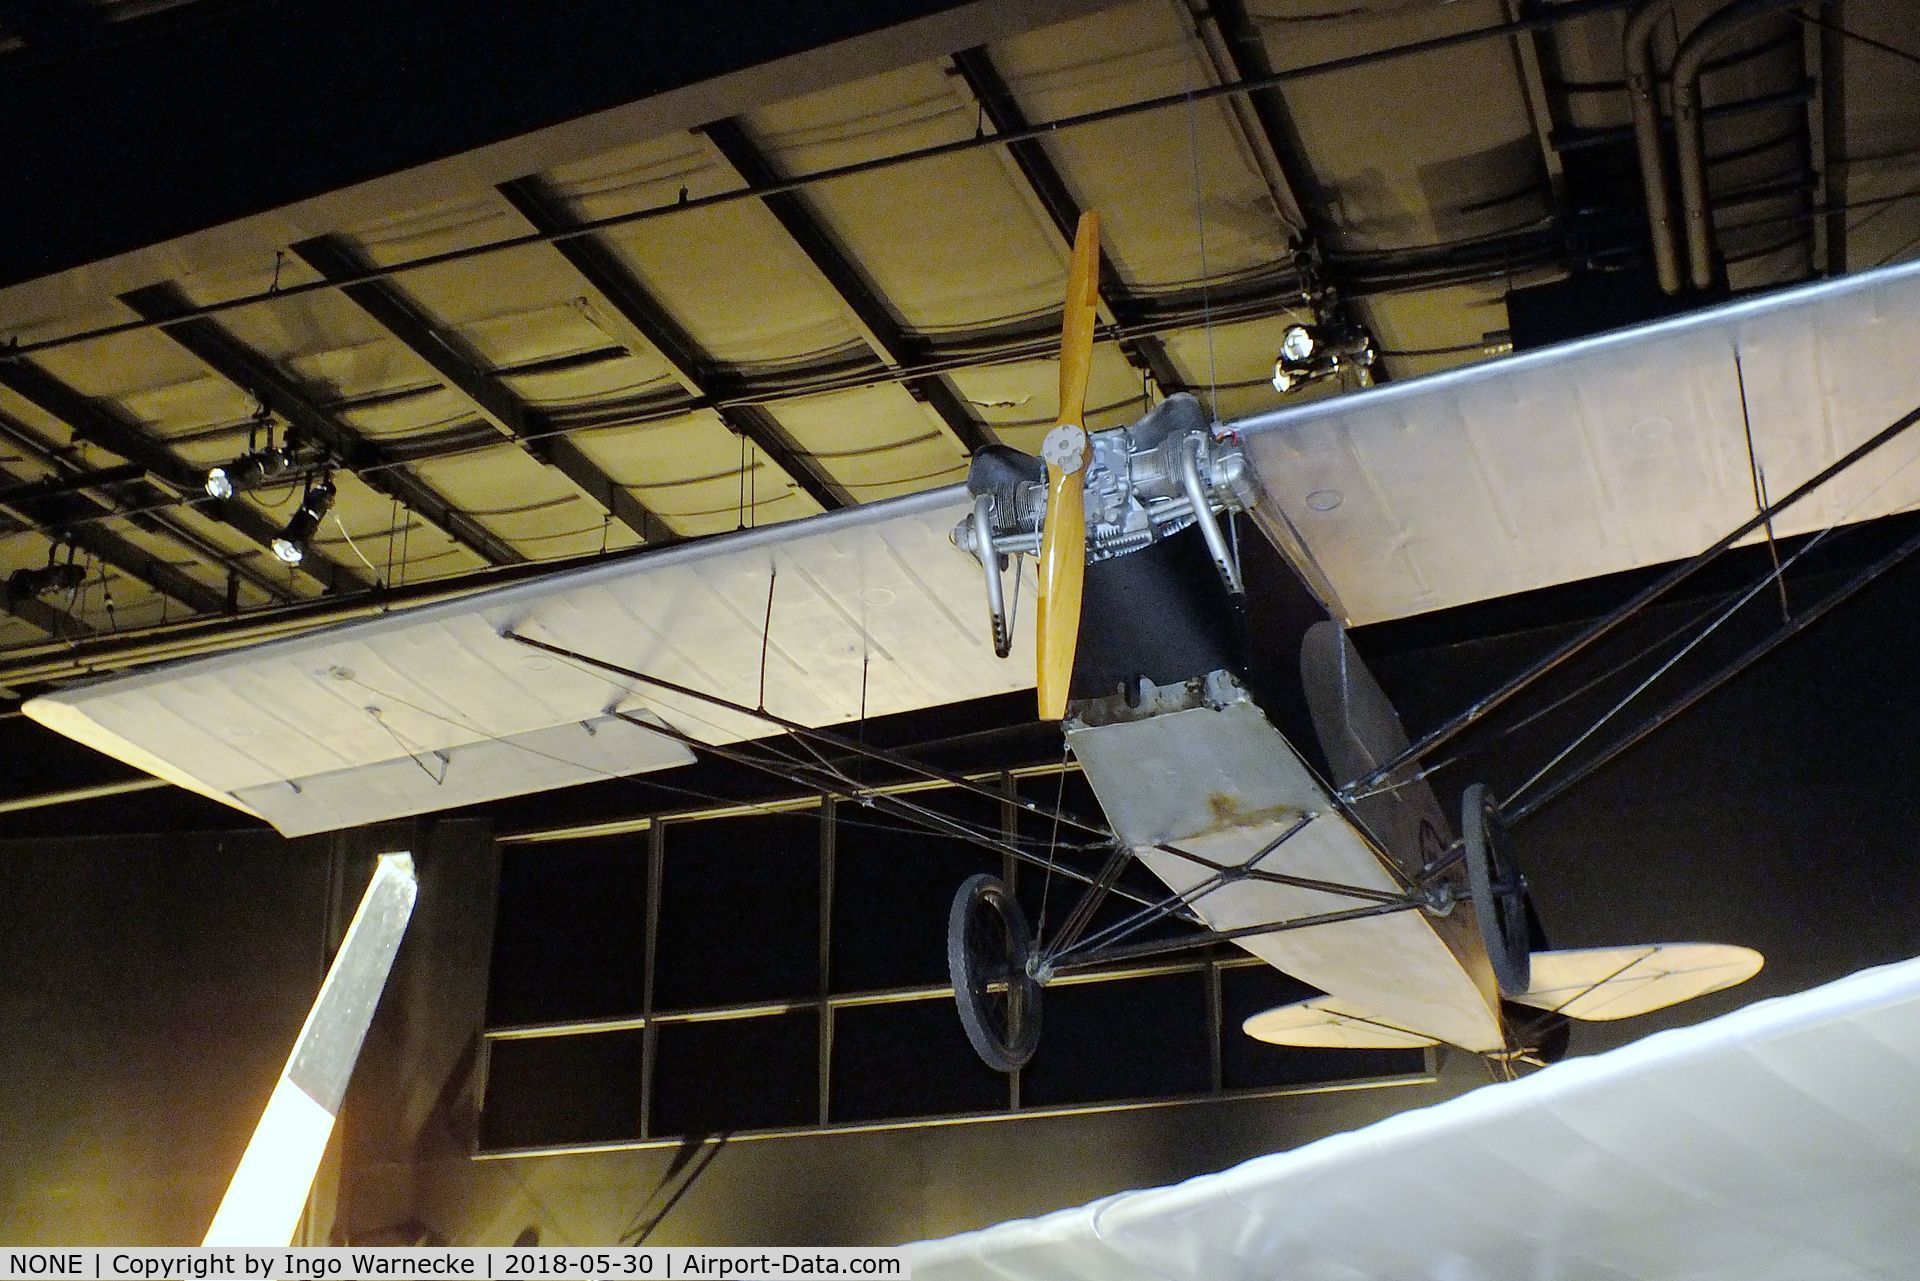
<point x="872" y="608"/>
<point x="1606" y="454"/>
<point x="1601" y="455"/>
<point x="1777" y="1143"/>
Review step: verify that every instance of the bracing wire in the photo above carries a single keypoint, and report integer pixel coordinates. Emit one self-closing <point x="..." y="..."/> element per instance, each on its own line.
<point x="1774" y="576"/>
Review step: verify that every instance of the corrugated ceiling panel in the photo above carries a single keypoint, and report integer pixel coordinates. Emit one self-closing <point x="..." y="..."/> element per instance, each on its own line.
<point x="877" y="441"/>
<point x="475" y="218"/>
<point x="1417" y="149"/>
<point x="688" y="470"/>
<point x="1139" y="171"/>
<point x="717" y="271"/>
<point x="511" y="308"/>
<point x="401" y="414"/>
<point x="187" y="407"/>
<point x="327" y="343"/>
<point x="129" y="362"/>
<point x="515" y="496"/>
<point x="237" y="278"/>
<point x="599" y="382"/>
<point x="921" y="233"/>
<point x="1020" y="401"/>
<point x="640" y="175"/>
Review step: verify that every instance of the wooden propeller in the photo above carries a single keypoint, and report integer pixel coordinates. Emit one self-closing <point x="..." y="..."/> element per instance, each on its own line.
<point x="1063" y="538"/>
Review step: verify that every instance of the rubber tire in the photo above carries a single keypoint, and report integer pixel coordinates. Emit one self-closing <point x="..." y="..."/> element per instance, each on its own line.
<point x="1503" y="919"/>
<point x="1023" y="994"/>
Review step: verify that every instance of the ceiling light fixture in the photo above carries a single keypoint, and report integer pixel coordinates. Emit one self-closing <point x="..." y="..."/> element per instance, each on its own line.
<point x="53" y="577"/>
<point x="291" y="546"/>
<point x="1309" y="353"/>
<point x="1332" y="343"/>
<point x="24" y="584"/>
<point x="1295" y="364"/>
<point x="247" y="471"/>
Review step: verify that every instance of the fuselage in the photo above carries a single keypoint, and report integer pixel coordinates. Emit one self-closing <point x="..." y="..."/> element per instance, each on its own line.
<point x="1179" y="699"/>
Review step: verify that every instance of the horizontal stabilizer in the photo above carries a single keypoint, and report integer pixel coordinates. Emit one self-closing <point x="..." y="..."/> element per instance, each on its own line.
<point x="1603" y="983"/>
<point x="1326" y="1022"/>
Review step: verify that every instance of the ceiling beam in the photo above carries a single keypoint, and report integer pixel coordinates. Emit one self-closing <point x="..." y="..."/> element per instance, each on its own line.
<point x="260" y="377"/>
<point x="639" y="322"/>
<point x="98" y="423"/>
<point x="871" y="315"/>
<point x="35" y="612"/>
<point x="467" y="376"/>
<point x="1049" y="187"/>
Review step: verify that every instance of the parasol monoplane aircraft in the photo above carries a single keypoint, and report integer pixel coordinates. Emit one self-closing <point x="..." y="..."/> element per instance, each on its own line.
<point x="1237" y="744"/>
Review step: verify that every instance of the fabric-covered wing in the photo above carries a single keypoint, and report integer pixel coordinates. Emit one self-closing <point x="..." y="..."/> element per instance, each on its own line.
<point x="1777" y="1143"/>
<point x="1603" y="983"/>
<point x="1326" y="1022"/>
<point x="873" y="609"/>
<point x="1606" y="454"/>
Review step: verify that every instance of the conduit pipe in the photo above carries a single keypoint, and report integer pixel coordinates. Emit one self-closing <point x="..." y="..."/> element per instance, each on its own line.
<point x="1643" y="90"/>
<point x="1689" y="131"/>
<point x="71" y="795"/>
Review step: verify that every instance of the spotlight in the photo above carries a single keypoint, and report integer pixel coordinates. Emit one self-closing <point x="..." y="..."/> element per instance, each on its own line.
<point x="1309" y="353"/>
<point x="246" y="471"/>
<point x="291" y="546"/>
<point x="1299" y="347"/>
<point x="25" y="584"/>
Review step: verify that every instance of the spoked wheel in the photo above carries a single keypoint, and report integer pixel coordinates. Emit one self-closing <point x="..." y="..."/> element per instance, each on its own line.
<point x="988" y="950"/>
<point x="1499" y="891"/>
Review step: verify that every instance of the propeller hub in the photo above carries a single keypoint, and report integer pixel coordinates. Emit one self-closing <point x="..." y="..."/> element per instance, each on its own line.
<point x="1065" y="448"/>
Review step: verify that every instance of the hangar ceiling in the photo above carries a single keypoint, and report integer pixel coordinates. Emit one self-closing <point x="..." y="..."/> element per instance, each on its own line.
<point x="832" y="298"/>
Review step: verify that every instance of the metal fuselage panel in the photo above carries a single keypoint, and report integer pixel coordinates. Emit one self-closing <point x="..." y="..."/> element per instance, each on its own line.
<point x="1288" y="704"/>
<point x="1222" y="783"/>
